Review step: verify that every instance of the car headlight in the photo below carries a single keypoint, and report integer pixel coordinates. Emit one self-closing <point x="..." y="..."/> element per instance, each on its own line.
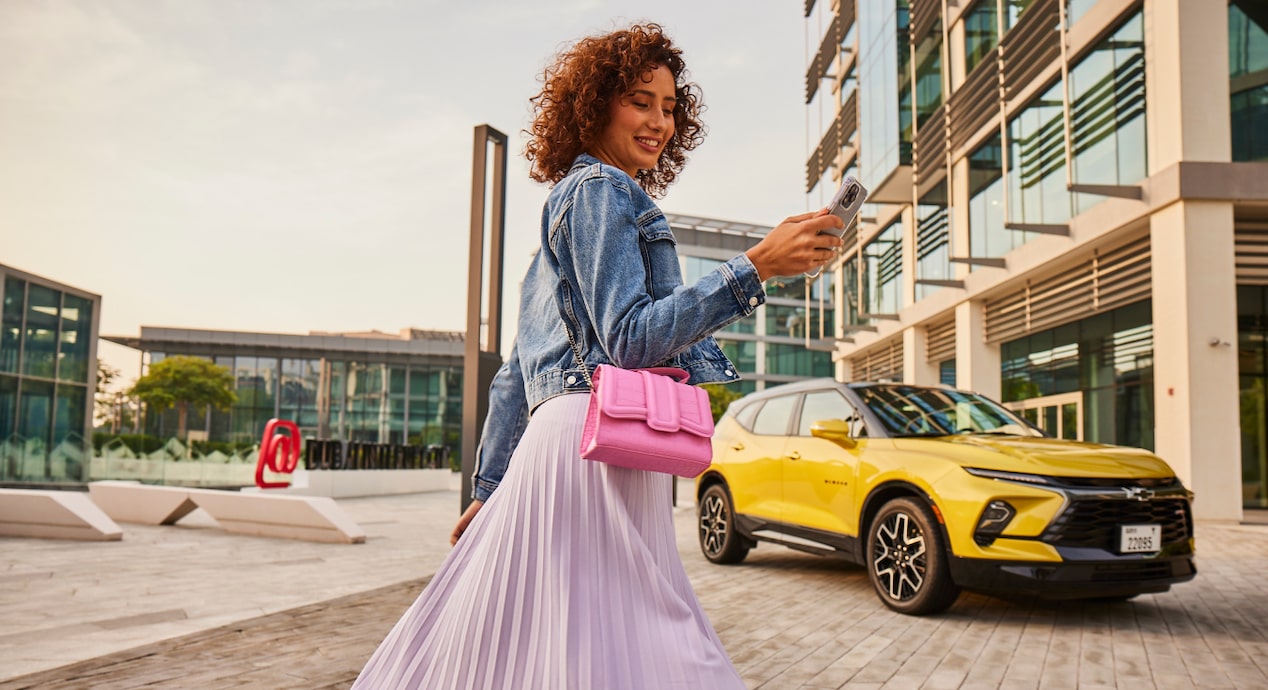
<point x="995" y="517"/>
<point x="1019" y="477"/>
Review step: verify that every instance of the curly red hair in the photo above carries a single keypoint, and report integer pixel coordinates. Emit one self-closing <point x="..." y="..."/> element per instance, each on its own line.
<point x="572" y="110"/>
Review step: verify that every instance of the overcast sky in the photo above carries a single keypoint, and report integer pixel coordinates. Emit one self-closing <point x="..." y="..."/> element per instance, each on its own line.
<point x="287" y="166"/>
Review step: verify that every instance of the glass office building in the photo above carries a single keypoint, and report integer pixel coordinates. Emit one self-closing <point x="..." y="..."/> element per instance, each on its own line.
<point x="788" y="338"/>
<point x="402" y="389"/>
<point x="48" y="374"/>
<point x="1069" y="213"/>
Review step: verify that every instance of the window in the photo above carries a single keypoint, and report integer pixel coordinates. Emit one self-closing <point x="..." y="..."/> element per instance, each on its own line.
<point x="821" y="405"/>
<point x="39" y="345"/>
<point x="1248" y="80"/>
<point x="883" y="271"/>
<point x="981" y="33"/>
<point x="11" y="324"/>
<point x="885" y="88"/>
<point x="929" y="75"/>
<point x="772" y="419"/>
<point x="742" y="353"/>
<point x="794" y="322"/>
<point x="933" y="237"/>
<point x="76" y="332"/>
<point x="1108" y="357"/>
<point x="1107" y="111"/>
<point x="1036" y="162"/>
<point x="987" y="235"/>
<point x="946" y="373"/>
<point x="795" y="360"/>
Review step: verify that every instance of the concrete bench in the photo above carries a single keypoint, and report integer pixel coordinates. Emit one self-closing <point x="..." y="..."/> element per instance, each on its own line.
<point x="54" y="515"/>
<point x="128" y="501"/>
<point x="264" y="514"/>
<point x="308" y="518"/>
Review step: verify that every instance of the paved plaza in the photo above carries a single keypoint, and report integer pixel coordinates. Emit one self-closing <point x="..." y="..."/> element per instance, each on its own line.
<point x="190" y="606"/>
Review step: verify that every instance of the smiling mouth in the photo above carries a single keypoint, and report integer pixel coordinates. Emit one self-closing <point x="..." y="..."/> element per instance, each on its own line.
<point x="649" y="143"/>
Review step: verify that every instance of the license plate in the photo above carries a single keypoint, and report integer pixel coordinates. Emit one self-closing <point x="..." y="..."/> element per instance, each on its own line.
<point x="1139" y="538"/>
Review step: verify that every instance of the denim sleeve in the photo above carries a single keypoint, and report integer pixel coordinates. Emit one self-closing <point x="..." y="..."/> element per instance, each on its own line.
<point x="503" y="426"/>
<point x="605" y="256"/>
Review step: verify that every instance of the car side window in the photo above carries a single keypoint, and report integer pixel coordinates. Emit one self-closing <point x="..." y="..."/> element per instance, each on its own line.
<point x="828" y="405"/>
<point x="772" y="419"/>
<point x="745" y="415"/>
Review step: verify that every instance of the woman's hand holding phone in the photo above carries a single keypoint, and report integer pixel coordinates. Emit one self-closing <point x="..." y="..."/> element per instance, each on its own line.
<point x="800" y="244"/>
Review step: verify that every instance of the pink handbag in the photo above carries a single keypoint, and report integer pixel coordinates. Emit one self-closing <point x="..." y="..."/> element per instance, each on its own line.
<point x="648" y="419"/>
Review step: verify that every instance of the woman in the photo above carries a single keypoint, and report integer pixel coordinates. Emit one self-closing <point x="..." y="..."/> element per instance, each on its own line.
<point x="568" y="575"/>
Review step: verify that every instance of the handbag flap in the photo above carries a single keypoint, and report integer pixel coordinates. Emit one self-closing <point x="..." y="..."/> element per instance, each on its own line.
<point x="663" y="402"/>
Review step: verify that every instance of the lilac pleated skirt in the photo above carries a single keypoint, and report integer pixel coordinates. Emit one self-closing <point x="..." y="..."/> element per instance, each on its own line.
<point x="568" y="577"/>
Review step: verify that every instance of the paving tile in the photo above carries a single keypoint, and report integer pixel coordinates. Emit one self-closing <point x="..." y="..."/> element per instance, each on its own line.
<point x="191" y="606"/>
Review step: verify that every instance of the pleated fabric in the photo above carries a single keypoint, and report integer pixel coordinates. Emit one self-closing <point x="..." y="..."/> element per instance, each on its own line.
<point x="568" y="577"/>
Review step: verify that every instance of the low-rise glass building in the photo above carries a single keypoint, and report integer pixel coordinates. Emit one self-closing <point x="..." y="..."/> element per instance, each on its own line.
<point x="48" y="373"/>
<point x="371" y="387"/>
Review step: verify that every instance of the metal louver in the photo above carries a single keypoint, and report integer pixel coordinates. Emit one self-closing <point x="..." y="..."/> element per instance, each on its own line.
<point x="883" y="363"/>
<point x="1109" y="278"/>
<point x="940" y="341"/>
<point x="1250" y="242"/>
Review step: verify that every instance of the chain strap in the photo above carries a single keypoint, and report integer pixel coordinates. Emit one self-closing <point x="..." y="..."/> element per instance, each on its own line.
<point x="576" y="353"/>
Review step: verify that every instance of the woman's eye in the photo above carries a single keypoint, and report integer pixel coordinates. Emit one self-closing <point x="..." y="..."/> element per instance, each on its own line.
<point x="641" y="106"/>
<point x="668" y="112"/>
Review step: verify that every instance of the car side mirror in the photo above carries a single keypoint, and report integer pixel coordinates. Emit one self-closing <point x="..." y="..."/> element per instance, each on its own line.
<point x="834" y="430"/>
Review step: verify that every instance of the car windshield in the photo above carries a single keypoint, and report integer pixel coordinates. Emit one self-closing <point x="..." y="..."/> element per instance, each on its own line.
<point x="916" y="411"/>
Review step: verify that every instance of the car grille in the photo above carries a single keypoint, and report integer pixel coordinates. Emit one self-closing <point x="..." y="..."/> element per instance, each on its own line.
<point x="1131" y="572"/>
<point x="1095" y="523"/>
<point x="1156" y="483"/>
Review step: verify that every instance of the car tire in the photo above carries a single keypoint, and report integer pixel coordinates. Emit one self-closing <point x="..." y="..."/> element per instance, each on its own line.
<point x="720" y="541"/>
<point x="907" y="559"/>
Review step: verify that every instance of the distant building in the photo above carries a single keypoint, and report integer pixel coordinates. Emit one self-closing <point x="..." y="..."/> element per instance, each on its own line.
<point x="375" y="387"/>
<point x="777" y="344"/>
<point x="48" y="374"/>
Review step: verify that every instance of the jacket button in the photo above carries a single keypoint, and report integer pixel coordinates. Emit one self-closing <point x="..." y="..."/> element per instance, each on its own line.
<point x="728" y="372"/>
<point x="572" y="380"/>
<point x="752" y="301"/>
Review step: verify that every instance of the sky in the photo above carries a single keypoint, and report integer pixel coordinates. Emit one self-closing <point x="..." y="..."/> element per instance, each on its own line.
<point x="305" y="165"/>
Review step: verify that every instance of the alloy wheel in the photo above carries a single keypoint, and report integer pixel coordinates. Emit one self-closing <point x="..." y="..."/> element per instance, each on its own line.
<point x="899" y="557"/>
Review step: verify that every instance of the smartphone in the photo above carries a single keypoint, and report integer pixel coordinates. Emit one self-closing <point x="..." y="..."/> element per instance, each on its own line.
<point x="845" y="205"/>
<point x="846" y="202"/>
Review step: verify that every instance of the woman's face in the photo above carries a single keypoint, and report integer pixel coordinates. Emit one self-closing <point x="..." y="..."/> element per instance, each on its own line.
<point x="640" y="123"/>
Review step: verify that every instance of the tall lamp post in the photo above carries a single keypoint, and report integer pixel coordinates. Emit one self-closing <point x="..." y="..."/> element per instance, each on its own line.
<point x="479" y="365"/>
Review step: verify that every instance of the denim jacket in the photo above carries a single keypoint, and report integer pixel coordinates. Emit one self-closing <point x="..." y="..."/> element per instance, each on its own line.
<point x="608" y="267"/>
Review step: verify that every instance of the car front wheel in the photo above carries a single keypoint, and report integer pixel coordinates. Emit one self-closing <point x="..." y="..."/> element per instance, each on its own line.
<point x="719" y="540"/>
<point x="907" y="559"/>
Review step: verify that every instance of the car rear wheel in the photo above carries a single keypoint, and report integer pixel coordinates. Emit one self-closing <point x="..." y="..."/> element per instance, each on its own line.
<point x="719" y="540"/>
<point x="907" y="559"/>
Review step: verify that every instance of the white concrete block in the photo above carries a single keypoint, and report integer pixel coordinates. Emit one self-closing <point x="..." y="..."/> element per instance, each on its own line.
<point x="308" y="518"/>
<point x="54" y="515"/>
<point x="146" y="504"/>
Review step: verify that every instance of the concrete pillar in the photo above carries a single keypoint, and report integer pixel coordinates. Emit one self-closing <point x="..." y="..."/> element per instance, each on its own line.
<point x="958" y="215"/>
<point x="916" y="366"/>
<point x="976" y="361"/>
<point x="1196" y="405"/>
<point x="1186" y="82"/>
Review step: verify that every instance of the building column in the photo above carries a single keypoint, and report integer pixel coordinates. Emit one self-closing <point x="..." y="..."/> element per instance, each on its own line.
<point x="976" y="361"/>
<point x="1196" y="406"/>
<point x="916" y="366"/>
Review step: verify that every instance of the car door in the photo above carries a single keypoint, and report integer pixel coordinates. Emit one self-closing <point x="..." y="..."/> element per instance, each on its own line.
<point x="819" y="475"/>
<point x="755" y="459"/>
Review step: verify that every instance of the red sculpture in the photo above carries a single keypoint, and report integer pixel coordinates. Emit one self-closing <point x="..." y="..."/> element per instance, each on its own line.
<point x="278" y="452"/>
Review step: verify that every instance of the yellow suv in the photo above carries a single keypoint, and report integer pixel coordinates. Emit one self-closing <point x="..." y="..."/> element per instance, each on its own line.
<point x="933" y="489"/>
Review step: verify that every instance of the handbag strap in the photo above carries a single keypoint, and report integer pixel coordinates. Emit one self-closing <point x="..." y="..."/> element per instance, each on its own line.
<point x="576" y="352"/>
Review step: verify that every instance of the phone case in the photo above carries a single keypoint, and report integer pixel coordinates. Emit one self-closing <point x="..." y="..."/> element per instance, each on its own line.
<point x="847" y="202"/>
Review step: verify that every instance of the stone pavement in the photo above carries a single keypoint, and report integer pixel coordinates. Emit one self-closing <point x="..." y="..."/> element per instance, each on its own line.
<point x="190" y="606"/>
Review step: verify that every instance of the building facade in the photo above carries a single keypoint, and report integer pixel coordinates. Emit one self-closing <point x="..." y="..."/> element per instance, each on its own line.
<point x="401" y="389"/>
<point x="48" y="375"/>
<point x="788" y="338"/>
<point x="1070" y="214"/>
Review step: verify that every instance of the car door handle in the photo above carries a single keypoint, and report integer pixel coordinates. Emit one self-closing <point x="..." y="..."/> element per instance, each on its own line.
<point x="737" y="446"/>
<point x="794" y="455"/>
